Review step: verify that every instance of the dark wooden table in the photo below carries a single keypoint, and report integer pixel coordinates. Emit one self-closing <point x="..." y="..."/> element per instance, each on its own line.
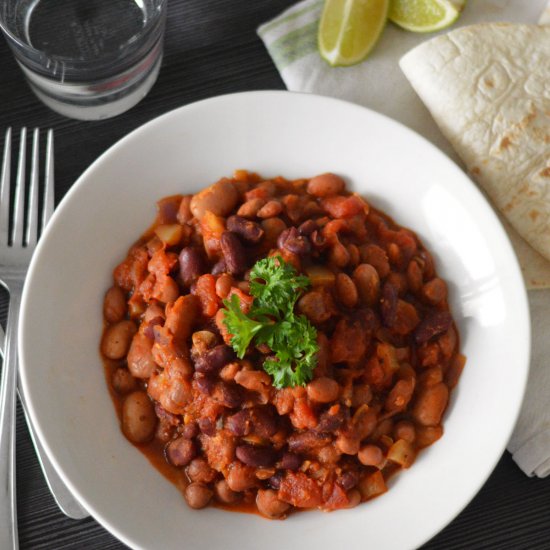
<point x="212" y="49"/>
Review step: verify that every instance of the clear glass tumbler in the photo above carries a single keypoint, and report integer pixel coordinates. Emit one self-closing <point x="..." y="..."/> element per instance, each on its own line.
<point x="87" y="59"/>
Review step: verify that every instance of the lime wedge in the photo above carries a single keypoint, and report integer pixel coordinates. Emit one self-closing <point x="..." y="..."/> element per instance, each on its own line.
<point x="349" y="29"/>
<point x="425" y="15"/>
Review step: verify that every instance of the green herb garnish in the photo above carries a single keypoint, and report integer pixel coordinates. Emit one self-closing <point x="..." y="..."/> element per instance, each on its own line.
<point x="276" y="287"/>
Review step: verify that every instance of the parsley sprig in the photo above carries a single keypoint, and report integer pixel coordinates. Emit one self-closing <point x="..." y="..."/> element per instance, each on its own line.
<point x="275" y="287"/>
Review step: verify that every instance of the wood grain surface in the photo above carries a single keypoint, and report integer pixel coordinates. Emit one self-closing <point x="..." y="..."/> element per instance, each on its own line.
<point x="212" y="48"/>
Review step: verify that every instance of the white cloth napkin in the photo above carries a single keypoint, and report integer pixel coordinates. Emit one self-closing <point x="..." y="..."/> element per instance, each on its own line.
<point x="291" y="40"/>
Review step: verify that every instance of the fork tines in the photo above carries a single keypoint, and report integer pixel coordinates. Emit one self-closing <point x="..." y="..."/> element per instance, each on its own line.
<point x="18" y="235"/>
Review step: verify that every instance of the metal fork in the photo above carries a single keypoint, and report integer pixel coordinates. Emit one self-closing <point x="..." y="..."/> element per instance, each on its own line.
<point x="16" y="248"/>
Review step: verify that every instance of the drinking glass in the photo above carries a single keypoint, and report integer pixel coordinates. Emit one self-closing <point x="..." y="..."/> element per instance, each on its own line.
<point x="86" y="59"/>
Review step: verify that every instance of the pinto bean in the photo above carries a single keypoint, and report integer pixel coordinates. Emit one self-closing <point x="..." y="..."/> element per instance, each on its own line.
<point x="213" y="360"/>
<point x="138" y="417"/>
<point x="270" y="209"/>
<point x="181" y="451"/>
<point x="269" y="505"/>
<point x="197" y="495"/>
<point x="248" y="230"/>
<point x="272" y="227"/>
<point x="223" y="285"/>
<point x="400" y="395"/>
<point x="233" y="252"/>
<point x="376" y="256"/>
<point x="367" y="281"/>
<point x="435" y="291"/>
<point x="348" y="480"/>
<point x="414" y="276"/>
<point x="362" y="395"/>
<point x="123" y="382"/>
<point x="325" y="185"/>
<point x="250" y="208"/>
<point x="114" y="305"/>
<point x="224" y="494"/>
<point x="192" y="265"/>
<point x="219" y="198"/>
<point x="140" y="357"/>
<point x="323" y="390"/>
<point x="346" y="291"/>
<point x="315" y="306"/>
<point x="117" y="339"/>
<point x="430" y="404"/>
<point x="371" y="455"/>
<point x="257" y="457"/>
<point x="189" y="430"/>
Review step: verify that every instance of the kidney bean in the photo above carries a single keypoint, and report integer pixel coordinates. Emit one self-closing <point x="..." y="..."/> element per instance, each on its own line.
<point x="117" y="339"/>
<point x="213" y="360"/>
<point x="290" y="461"/>
<point x="199" y="471"/>
<point x="292" y="241"/>
<point x="431" y="402"/>
<point x="219" y="198"/>
<point x="330" y="422"/>
<point x="270" y="209"/>
<point x="306" y="441"/>
<point x="207" y="426"/>
<point x="224" y="494"/>
<point x="323" y="390"/>
<point x="239" y="424"/>
<point x="346" y="291"/>
<point x="122" y="381"/>
<point x="233" y="253"/>
<point x="248" y="230"/>
<point x="318" y="240"/>
<point x="250" y="208"/>
<point x="269" y="505"/>
<point x="138" y="417"/>
<point x="219" y="267"/>
<point x="325" y="185"/>
<point x="240" y="477"/>
<point x="348" y="480"/>
<point x="197" y="495"/>
<point x="191" y="264"/>
<point x="435" y="323"/>
<point x="114" y="305"/>
<point x="367" y="282"/>
<point x="140" y="357"/>
<point x="180" y="451"/>
<point x="308" y="227"/>
<point x="388" y="304"/>
<point x="264" y="421"/>
<point x="189" y="430"/>
<point x="230" y="395"/>
<point x="205" y="384"/>
<point x="257" y="457"/>
<point x="274" y="482"/>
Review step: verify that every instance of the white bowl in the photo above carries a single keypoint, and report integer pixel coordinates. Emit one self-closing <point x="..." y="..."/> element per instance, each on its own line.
<point x="273" y="133"/>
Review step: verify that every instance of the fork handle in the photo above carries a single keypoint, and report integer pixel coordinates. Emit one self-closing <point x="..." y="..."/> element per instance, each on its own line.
<point x="8" y="504"/>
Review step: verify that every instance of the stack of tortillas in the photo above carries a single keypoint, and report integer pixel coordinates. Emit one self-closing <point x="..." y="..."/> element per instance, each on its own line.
<point x="488" y="88"/>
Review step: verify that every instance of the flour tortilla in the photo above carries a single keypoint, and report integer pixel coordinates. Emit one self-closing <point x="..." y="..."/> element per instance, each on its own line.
<point x="488" y="88"/>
